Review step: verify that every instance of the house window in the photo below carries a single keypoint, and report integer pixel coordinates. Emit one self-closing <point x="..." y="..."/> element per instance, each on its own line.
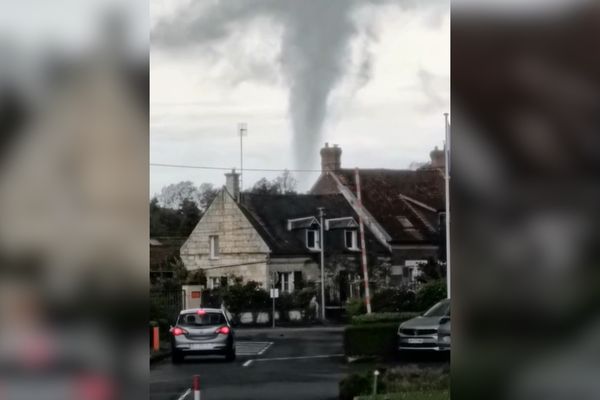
<point x="214" y="246"/>
<point x="214" y="282"/>
<point x="351" y="239"/>
<point x="312" y="239"/>
<point x="286" y="282"/>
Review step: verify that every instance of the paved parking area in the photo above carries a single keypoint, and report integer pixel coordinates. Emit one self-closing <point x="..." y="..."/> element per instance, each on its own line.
<point x="279" y="364"/>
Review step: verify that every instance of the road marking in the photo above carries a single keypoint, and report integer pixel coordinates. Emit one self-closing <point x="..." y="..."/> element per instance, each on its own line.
<point x="251" y="348"/>
<point x="299" y="358"/>
<point x="247" y="363"/>
<point x="185" y="394"/>
<point x="265" y="349"/>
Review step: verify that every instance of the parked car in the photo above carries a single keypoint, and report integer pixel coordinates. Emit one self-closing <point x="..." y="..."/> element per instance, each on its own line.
<point x="202" y="331"/>
<point x="444" y="333"/>
<point x="423" y="332"/>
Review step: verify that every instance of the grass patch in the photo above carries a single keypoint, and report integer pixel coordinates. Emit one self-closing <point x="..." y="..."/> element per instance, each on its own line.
<point x="418" y="382"/>
<point x="420" y="395"/>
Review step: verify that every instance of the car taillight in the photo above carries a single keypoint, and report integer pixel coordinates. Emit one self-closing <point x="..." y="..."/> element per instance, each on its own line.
<point x="178" y="331"/>
<point x="224" y="330"/>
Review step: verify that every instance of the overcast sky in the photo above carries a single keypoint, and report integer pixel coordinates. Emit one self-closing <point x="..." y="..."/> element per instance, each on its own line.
<point x="372" y="76"/>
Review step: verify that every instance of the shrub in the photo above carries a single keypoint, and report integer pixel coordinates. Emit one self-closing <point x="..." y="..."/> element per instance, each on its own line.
<point x="401" y="383"/>
<point x="355" y="306"/>
<point x="430" y="293"/>
<point x="354" y="385"/>
<point x="383" y="317"/>
<point x="378" y="339"/>
<point x="393" y="300"/>
<point x="413" y="378"/>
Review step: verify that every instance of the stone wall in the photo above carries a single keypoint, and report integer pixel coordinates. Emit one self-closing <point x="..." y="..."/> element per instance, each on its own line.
<point x="242" y="252"/>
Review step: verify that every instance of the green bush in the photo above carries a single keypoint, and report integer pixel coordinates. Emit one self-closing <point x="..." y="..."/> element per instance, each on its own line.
<point x="402" y="383"/>
<point x="354" y="385"/>
<point x="393" y="300"/>
<point x="355" y="306"/>
<point x="430" y="293"/>
<point x="383" y="317"/>
<point x="377" y="339"/>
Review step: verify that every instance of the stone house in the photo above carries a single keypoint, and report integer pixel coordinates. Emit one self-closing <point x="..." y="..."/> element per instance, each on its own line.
<point x="405" y="209"/>
<point x="275" y="239"/>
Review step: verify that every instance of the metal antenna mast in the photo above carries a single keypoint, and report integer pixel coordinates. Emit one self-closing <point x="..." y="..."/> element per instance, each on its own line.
<point x="243" y="131"/>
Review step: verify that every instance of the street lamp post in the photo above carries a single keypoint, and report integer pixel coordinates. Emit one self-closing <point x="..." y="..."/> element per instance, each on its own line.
<point x="322" y="243"/>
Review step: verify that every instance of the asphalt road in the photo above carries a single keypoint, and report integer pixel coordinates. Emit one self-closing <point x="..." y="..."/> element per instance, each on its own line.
<point x="281" y="364"/>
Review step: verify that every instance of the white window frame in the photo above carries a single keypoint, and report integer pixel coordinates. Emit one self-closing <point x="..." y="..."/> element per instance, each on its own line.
<point x="213" y="245"/>
<point x="286" y="282"/>
<point x="214" y="282"/>
<point x="354" y="244"/>
<point x="317" y="246"/>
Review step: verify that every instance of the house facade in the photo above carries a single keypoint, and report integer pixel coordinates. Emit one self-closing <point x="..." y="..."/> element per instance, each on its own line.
<point x="405" y="208"/>
<point x="276" y="239"/>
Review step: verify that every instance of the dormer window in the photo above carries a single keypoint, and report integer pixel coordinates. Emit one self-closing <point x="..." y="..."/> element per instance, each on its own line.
<point x="351" y="239"/>
<point x="313" y="241"/>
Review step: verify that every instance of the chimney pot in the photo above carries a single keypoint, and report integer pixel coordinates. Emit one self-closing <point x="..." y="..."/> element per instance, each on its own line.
<point x="331" y="158"/>
<point x="438" y="158"/>
<point x="232" y="183"/>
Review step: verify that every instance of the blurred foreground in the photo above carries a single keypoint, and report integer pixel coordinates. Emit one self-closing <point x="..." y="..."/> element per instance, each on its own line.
<point x="73" y="200"/>
<point x="525" y="194"/>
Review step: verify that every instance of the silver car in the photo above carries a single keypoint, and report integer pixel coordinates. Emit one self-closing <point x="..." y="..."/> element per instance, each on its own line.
<point x="423" y="332"/>
<point x="202" y="331"/>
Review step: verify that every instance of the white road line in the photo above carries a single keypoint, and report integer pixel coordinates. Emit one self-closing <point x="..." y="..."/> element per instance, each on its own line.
<point x="247" y="363"/>
<point x="185" y="394"/>
<point x="299" y="358"/>
<point x="265" y="349"/>
<point x="252" y="348"/>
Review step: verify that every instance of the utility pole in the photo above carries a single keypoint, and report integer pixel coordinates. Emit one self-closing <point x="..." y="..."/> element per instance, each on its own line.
<point x="447" y="176"/>
<point x="243" y="131"/>
<point x="322" y="243"/>
<point x="272" y="295"/>
<point x="362" y="243"/>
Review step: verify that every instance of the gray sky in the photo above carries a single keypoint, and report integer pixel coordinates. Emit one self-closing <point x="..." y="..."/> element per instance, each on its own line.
<point x="371" y="76"/>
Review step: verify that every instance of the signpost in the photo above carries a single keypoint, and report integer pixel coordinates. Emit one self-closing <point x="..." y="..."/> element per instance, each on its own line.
<point x="274" y="295"/>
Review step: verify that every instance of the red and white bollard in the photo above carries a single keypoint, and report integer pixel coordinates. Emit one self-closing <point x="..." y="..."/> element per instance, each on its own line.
<point x="196" y="387"/>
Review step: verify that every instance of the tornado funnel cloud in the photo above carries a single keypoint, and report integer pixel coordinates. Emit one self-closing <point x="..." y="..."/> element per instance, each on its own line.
<point x="314" y="57"/>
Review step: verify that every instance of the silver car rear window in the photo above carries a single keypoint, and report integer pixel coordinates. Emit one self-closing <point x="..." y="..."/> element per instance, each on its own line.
<point x="194" y="319"/>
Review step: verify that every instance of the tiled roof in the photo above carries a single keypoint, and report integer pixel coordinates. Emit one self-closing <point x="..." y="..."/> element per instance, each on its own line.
<point x="270" y="214"/>
<point x="404" y="202"/>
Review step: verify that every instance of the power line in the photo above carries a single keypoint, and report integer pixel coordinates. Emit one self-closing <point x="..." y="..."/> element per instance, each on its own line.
<point x="229" y="169"/>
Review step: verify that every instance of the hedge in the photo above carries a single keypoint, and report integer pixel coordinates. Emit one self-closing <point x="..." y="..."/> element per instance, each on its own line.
<point x="383" y="317"/>
<point x="421" y="395"/>
<point x="371" y="339"/>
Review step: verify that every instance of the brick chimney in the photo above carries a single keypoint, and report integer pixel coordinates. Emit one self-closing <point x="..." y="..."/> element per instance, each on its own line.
<point x="438" y="158"/>
<point x="331" y="158"/>
<point x="232" y="183"/>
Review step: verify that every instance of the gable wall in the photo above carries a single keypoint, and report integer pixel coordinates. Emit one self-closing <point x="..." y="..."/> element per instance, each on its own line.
<point x="239" y="243"/>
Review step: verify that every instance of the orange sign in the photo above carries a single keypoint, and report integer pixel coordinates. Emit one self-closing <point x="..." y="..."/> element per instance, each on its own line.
<point x="196" y="295"/>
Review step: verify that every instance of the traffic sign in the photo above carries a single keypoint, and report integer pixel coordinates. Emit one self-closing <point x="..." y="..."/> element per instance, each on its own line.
<point x="274" y="293"/>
